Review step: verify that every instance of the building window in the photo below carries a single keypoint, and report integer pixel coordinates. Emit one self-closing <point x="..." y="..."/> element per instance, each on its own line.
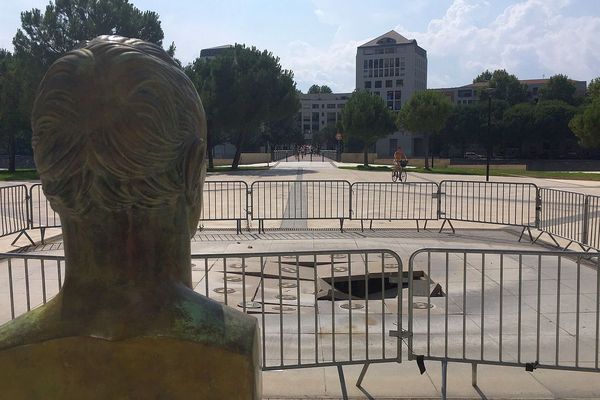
<point x="330" y="105"/>
<point x="340" y="106"/>
<point x="399" y="82"/>
<point x="315" y="106"/>
<point x="367" y="84"/>
<point x="388" y="83"/>
<point x="390" y="95"/>
<point x="465" y="93"/>
<point x="377" y="84"/>
<point x="376" y="93"/>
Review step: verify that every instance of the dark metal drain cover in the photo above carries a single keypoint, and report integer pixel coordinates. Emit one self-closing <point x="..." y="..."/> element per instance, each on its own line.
<point x="354" y="306"/>
<point x="286" y="297"/>
<point x="222" y="290"/>
<point x="421" y="305"/>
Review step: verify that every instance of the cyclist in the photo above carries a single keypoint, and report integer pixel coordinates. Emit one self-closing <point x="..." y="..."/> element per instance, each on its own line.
<point x="400" y="161"/>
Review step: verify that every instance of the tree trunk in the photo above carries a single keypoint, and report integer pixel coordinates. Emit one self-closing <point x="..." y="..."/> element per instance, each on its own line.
<point x="210" y="150"/>
<point x="11" y="152"/>
<point x="238" y="151"/>
<point x="426" y="145"/>
<point x="366" y="156"/>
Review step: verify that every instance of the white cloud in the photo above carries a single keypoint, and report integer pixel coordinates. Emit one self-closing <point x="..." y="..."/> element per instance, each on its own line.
<point x="333" y="65"/>
<point x="528" y="38"/>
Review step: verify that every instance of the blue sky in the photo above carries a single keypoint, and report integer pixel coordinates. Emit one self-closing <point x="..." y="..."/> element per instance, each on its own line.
<point x="318" y="39"/>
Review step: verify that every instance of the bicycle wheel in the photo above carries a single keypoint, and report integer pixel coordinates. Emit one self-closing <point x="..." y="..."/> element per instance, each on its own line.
<point x="403" y="176"/>
<point x="395" y="175"/>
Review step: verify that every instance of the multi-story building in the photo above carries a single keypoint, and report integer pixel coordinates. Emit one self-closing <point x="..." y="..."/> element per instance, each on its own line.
<point x="212" y="52"/>
<point x="470" y="93"/>
<point x="394" y="68"/>
<point x="319" y="110"/>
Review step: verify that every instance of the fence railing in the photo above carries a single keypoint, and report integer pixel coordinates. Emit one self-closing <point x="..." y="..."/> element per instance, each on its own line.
<point x="571" y="216"/>
<point x="288" y="200"/>
<point x="394" y="201"/>
<point x="279" y="155"/>
<point x="592" y="217"/>
<point x="314" y="309"/>
<point x="225" y="201"/>
<point x="564" y="214"/>
<point x="489" y="202"/>
<point x="14" y="212"/>
<point x="532" y="309"/>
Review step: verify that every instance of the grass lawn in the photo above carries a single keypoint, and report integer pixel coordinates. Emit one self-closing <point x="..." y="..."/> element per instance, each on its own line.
<point x="465" y="170"/>
<point x="19" y="175"/>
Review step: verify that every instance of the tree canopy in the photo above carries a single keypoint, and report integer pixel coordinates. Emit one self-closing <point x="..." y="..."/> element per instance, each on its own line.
<point x="426" y="112"/>
<point x="366" y="118"/>
<point x="319" y="89"/>
<point x="45" y="36"/>
<point x="244" y="88"/>
<point x="559" y="87"/>
<point x="586" y="123"/>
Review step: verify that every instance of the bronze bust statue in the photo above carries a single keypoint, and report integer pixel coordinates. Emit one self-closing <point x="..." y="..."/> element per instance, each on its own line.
<point x="119" y="138"/>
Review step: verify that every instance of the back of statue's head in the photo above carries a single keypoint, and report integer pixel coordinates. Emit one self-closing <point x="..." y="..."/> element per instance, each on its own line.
<point x="118" y="125"/>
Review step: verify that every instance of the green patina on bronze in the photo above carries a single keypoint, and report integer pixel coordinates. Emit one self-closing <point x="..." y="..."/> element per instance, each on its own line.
<point x="119" y="142"/>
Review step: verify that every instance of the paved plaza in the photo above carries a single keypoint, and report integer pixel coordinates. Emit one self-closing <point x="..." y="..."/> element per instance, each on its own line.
<point x="459" y="325"/>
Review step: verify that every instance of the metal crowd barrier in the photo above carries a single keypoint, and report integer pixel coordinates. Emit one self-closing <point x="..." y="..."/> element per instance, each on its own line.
<point x="531" y="309"/>
<point x="489" y="202"/>
<point x="289" y="200"/>
<point x="14" y="212"/>
<point x="563" y="214"/>
<point x="394" y="201"/>
<point x="225" y="201"/>
<point x="314" y="309"/>
<point x="592" y="217"/>
<point x="571" y="216"/>
<point x="279" y="155"/>
<point x="329" y="154"/>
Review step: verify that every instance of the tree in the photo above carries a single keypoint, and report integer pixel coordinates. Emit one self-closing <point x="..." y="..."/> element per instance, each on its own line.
<point x="485" y="76"/>
<point x="366" y="118"/>
<point x="586" y="124"/>
<point x="45" y="36"/>
<point x="315" y="89"/>
<point x="559" y="87"/>
<point x="65" y="23"/>
<point x="426" y="112"/>
<point x="14" y="120"/>
<point x="594" y="88"/>
<point x="462" y="128"/>
<point x="244" y="89"/>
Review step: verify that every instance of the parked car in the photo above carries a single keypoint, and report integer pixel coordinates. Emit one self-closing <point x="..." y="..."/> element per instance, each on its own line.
<point x="469" y="155"/>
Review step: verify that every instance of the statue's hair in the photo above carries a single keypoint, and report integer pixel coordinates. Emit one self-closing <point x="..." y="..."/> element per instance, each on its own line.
<point x="117" y="124"/>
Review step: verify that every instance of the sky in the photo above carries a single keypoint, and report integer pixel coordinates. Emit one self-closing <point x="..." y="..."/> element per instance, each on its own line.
<point x="317" y="39"/>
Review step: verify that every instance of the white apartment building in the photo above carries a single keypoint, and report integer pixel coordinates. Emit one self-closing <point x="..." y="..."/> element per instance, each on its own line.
<point x="319" y="110"/>
<point x="394" y="68"/>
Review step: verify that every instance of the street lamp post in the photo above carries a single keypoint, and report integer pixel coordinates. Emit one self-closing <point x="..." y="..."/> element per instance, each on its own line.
<point x="489" y="92"/>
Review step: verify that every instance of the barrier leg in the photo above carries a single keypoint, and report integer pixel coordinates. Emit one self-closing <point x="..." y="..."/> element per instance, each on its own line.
<point x="474" y="381"/>
<point x="341" y="224"/>
<point x="43" y="232"/>
<point x="342" y="382"/>
<point x="23" y="233"/>
<point x="425" y="226"/>
<point x="444" y="378"/>
<point x="360" y="379"/>
<point x="371" y="225"/>
<point x="417" y="221"/>
<point x="449" y="224"/>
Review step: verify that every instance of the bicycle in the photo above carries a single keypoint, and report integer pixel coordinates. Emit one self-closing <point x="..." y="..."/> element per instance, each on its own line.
<point x="399" y="173"/>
